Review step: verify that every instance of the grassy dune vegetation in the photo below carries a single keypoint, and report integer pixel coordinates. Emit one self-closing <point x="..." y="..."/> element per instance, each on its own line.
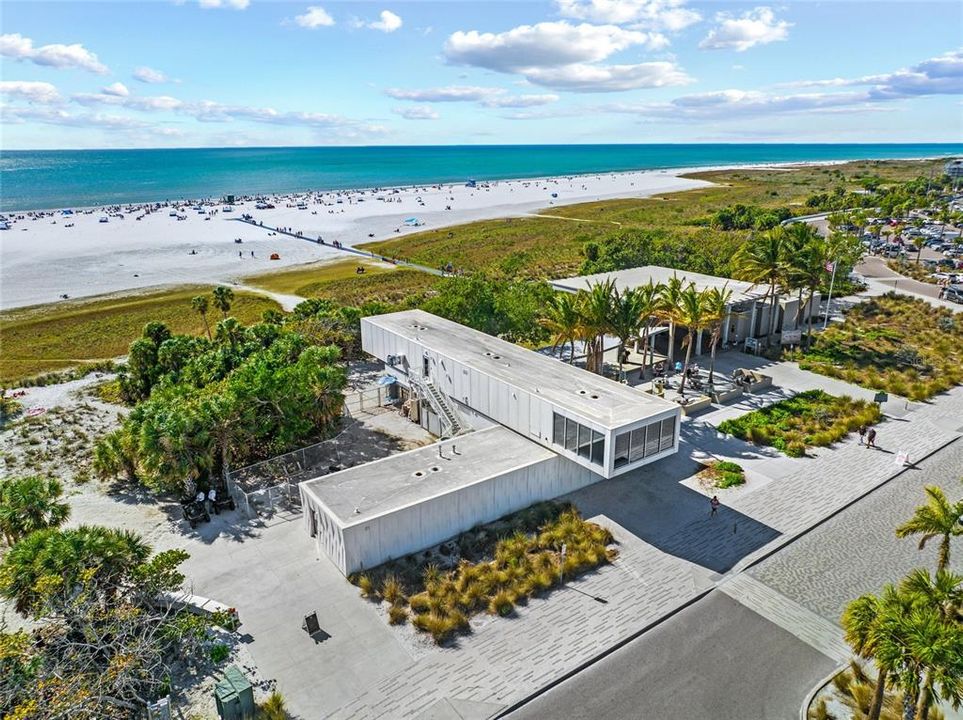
<point x="300" y="279"/>
<point x="51" y="337"/>
<point x="902" y="345"/>
<point x="533" y="247"/>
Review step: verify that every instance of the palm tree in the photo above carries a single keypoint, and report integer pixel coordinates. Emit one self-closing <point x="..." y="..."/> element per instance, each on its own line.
<point x="199" y="304"/>
<point x="918" y="241"/>
<point x="648" y="299"/>
<point x="595" y="307"/>
<point x="716" y="311"/>
<point x="761" y="259"/>
<point x="692" y="315"/>
<point x="943" y="591"/>
<point x="669" y="298"/>
<point x="626" y="319"/>
<point x="861" y="628"/>
<point x="562" y="321"/>
<point x="49" y="560"/>
<point x="223" y="296"/>
<point x="30" y="503"/>
<point x="937" y="518"/>
<point x="229" y="331"/>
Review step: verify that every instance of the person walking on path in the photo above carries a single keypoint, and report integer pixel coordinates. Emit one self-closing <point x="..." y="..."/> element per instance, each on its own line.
<point x="862" y="433"/>
<point x="871" y="438"/>
<point x="714" y="505"/>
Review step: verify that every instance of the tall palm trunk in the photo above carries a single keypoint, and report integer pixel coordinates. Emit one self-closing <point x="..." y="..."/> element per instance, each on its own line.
<point x="923" y="702"/>
<point x="712" y="355"/>
<point x="877" y="707"/>
<point x="685" y="365"/>
<point x="207" y="327"/>
<point x="670" y="353"/>
<point x="571" y="354"/>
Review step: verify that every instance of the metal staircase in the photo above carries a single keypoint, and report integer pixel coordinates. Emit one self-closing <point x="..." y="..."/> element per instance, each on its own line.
<point x="439" y="403"/>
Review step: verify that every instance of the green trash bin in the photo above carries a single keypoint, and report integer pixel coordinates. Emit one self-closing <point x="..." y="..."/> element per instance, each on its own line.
<point x="234" y="696"/>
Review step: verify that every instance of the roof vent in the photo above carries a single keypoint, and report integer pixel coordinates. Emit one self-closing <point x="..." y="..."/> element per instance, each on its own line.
<point x="595" y="397"/>
<point x="434" y="468"/>
<point x="418" y="473"/>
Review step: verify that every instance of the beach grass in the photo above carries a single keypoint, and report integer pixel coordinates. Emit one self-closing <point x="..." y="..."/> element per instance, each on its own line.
<point x="51" y="337"/>
<point x="300" y="279"/>
<point x="551" y="245"/>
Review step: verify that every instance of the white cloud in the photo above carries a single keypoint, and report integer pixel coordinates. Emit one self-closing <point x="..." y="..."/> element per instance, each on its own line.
<point x="941" y="75"/>
<point x="231" y="4"/>
<point x="159" y="103"/>
<point x="35" y="92"/>
<point x="565" y="56"/>
<point x="118" y="89"/>
<point x="754" y="27"/>
<point x="519" y="101"/>
<point x="389" y="22"/>
<point x="15" y="46"/>
<point x="668" y="15"/>
<point x="610" y="78"/>
<point x="150" y="76"/>
<point x="486" y="96"/>
<point x="417" y="112"/>
<point x="547" y="44"/>
<point x="451" y="93"/>
<point x="315" y="17"/>
<point x="51" y="116"/>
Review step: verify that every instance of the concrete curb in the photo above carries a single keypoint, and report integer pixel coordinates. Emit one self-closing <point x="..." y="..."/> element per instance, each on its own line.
<point x="638" y="633"/>
<point x="811" y="695"/>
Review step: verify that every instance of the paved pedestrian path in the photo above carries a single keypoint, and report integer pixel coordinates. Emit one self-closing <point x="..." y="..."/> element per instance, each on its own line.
<point x="817" y="632"/>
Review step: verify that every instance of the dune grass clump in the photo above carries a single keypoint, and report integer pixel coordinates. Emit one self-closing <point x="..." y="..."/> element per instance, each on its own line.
<point x="810" y="419"/>
<point x="901" y="345"/>
<point x="501" y="566"/>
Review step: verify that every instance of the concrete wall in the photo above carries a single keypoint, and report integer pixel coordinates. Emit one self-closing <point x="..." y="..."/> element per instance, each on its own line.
<point x="434" y="520"/>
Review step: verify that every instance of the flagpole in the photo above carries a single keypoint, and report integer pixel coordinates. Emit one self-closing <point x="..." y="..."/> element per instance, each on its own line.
<point x="829" y="301"/>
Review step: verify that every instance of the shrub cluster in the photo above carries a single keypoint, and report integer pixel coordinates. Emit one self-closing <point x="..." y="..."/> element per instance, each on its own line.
<point x="521" y="564"/>
<point x="810" y="419"/>
<point x="724" y="474"/>
<point x="901" y="345"/>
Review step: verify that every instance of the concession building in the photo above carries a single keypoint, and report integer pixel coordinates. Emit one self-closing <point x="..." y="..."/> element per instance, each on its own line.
<point x="520" y="427"/>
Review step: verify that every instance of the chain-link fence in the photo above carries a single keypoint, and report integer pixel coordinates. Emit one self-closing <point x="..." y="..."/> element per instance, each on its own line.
<point x="271" y="485"/>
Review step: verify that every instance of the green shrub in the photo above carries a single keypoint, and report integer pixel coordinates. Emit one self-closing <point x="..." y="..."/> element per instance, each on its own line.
<point x="502" y="604"/>
<point x="397" y="614"/>
<point x="796" y="449"/>
<point x="728" y="466"/>
<point x="219" y="653"/>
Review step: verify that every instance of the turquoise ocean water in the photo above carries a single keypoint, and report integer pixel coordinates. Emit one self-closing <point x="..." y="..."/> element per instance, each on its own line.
<point x="34" y="179"/>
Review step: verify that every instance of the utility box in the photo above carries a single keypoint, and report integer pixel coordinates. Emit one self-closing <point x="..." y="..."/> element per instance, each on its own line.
<point x="234" y="696"/>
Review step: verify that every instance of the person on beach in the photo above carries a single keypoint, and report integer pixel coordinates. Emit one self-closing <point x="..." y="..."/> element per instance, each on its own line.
<point x="862" y="433"/>
<point x="871" y="438"/>
<point x="714" y="505"/>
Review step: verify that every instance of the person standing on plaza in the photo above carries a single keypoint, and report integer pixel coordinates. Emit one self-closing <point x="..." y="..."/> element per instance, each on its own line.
<point x="862" y="433"/>
<point x="871" y="438"/>
<point x="714" y="505"/>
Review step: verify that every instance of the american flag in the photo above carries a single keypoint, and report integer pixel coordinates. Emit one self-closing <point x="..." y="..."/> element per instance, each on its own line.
<point x="830" y="266"/>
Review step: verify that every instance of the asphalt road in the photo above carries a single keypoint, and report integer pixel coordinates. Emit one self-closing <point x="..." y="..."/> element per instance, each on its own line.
<point x="715" y="660"/>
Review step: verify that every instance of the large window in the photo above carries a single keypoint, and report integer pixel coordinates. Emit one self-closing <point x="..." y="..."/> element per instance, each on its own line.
<point x="632" y="446"/>
<point x="579" y="439"/>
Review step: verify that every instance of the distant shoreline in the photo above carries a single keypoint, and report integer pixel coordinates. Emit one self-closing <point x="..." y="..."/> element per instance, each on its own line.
<point x="51" y="180"/>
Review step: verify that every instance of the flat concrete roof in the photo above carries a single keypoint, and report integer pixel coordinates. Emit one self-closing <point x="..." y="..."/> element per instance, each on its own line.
<point x="637" y="277"/>
<point x="395" y="482"/>
<point x="608" y="403"/>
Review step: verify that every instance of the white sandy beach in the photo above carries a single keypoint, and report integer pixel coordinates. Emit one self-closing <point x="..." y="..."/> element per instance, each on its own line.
<point x="45" y="255"/>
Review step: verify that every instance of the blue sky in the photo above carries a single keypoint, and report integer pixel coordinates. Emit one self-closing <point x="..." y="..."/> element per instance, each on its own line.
<point x="257" y="72"/>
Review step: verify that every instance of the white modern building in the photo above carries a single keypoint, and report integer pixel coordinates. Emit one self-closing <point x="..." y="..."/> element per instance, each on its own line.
<point x="372" y="513"/>
<point x="595" y="422"/>
<point x="524" y="428"/>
